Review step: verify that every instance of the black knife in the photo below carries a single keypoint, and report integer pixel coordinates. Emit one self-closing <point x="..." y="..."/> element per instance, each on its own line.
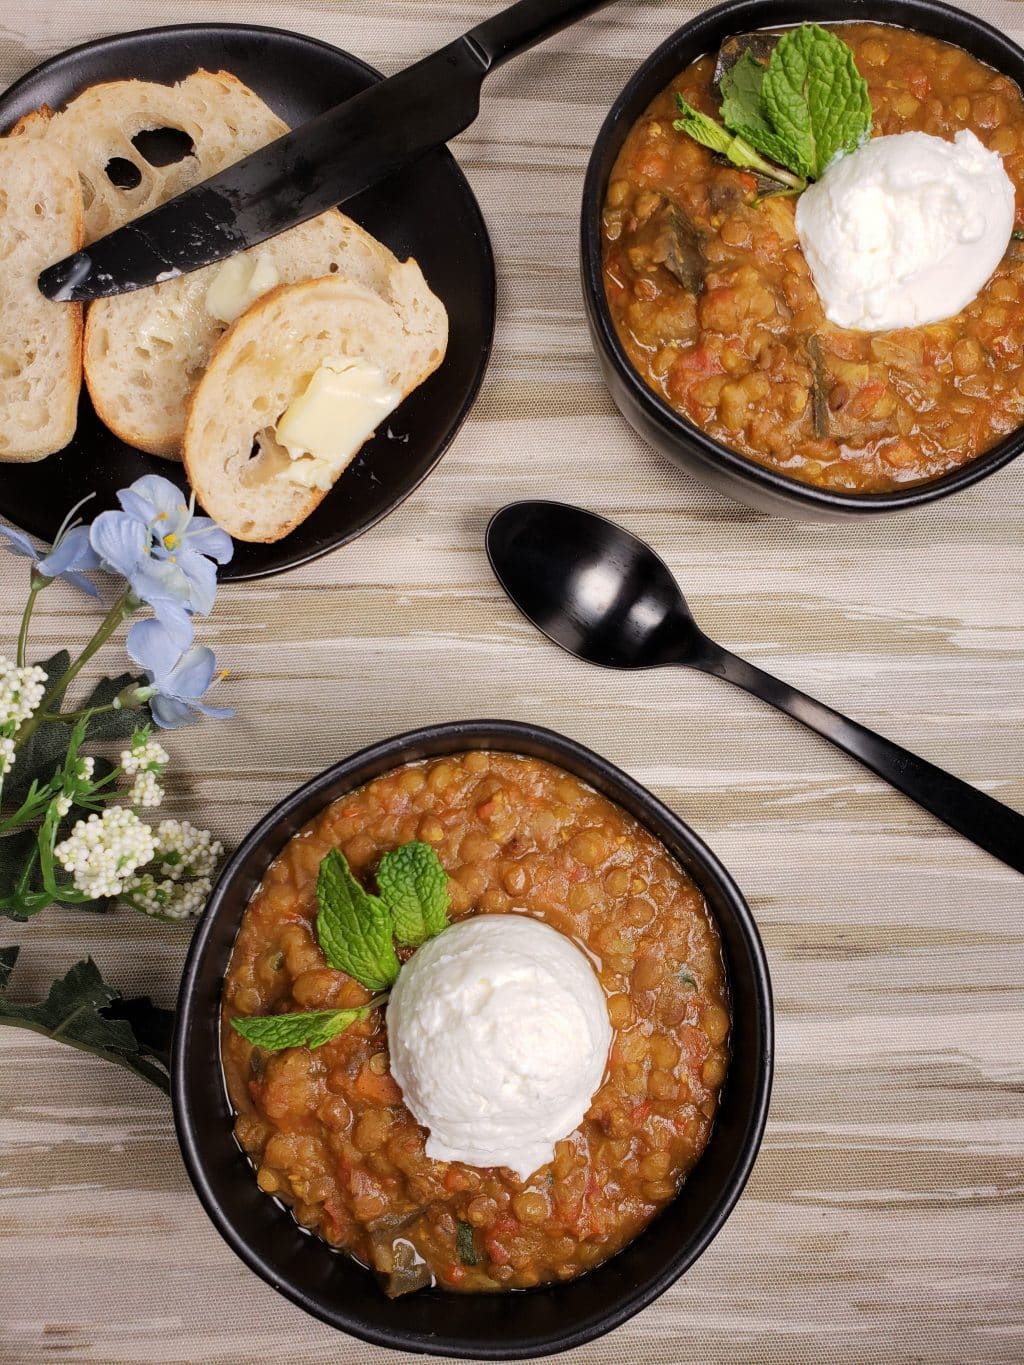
<point x="316" y="166"/>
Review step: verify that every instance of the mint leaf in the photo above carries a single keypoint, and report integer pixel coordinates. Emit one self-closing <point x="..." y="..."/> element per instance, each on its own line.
<point x="740" y="152"/>
<point x="814" y="98"/>
<point x="743" y="112"/>
<point x="77" y="1011"/>
<point x="354" y="928"/>
<point x="274" y="1032"/>
<point x="414" y="886"/>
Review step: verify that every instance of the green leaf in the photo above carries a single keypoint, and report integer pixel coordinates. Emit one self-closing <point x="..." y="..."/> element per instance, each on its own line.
<point x="742" y="111"/>
<point x="740" y="152"/>
<point x="354" y="928"/>
<point x="414" y="887"/>
<point x="274" y="1032"/>
<point x="77" y="1011"/>
<point x="814" y="97"/>
<point x="464" y="1244"/>
<point x="19" y="901"/>
<point x="120" y="724"/>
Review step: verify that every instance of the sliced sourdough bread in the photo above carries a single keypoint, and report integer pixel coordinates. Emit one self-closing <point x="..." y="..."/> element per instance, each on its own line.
<point x="242" y="475"/>
<point x="145" y="352"/>
<point x="223" y="118"/>
<point x="40" y="341"/>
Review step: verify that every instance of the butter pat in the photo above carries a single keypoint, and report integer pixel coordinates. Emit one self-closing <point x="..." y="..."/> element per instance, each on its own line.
<point x="341" y="407"/>
<point x="238" y="284"/>
<point x="906" y="230"/>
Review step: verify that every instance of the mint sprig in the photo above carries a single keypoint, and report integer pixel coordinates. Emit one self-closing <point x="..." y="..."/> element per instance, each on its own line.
<point x="739" y="151"/>
<point x="808" y="105"/>
<point x="356" y="931"/>
<point x="415" y="888"/>
<point x="274" y="1032"/>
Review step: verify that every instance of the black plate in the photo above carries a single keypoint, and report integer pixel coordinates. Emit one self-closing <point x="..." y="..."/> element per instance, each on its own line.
<point x="329" y="1284"/>
<point x="428" y="211"/>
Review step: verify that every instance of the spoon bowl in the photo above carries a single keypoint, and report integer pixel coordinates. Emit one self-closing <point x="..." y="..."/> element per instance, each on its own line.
<point x="590" y="586"/>
<point x="606" y="597"/>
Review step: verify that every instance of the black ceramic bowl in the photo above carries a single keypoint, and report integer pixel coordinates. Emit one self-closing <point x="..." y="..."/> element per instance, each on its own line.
<point x="683" y="442"/>
<point x="333" y="1287"/>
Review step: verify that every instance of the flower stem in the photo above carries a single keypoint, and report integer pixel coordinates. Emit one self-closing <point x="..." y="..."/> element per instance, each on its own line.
<point x="125" y="605"/>
<point x="69" y="717"/>
<point x="26" y="617"/>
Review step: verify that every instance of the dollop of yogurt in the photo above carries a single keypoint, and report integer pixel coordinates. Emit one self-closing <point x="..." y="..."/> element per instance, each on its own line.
<point x="499" y="1035"/>
<point x="905" y="230"/>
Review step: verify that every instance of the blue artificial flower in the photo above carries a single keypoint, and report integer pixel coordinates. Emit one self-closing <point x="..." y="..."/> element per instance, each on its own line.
<point x="178" y="680"/>
<point x="165" y="552"/>
<point x="71" y="553"/>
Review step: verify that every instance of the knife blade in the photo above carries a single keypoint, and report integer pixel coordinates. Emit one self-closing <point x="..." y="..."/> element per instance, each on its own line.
<point x="313" y="168"/>
<point x="307" y="171"/>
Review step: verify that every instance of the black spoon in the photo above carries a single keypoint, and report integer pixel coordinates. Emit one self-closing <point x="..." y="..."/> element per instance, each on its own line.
<point x="606" y="597"/>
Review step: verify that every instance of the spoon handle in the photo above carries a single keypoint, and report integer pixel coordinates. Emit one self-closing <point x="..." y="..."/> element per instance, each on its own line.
<point x="985" y="821"/>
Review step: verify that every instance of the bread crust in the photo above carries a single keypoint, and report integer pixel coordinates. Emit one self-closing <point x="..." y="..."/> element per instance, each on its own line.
<point x="321" y="317"/>
<point x="40" y="341"/>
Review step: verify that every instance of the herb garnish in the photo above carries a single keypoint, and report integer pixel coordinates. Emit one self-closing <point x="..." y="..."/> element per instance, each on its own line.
<point x="356" y="931"/>
<point x="464" y="1244"/>
<point x="808" y="104"/>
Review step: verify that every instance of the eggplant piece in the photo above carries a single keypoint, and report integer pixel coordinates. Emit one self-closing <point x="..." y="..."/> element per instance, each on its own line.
<point x="400" y="1266"/>
<point x="669" y="240"/>
<point x="759" y="45"/>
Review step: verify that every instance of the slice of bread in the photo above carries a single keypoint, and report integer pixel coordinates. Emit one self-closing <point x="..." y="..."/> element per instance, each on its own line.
<point x="40" y="341"/>
<point x="223" y="118"/>
<point x="241" y="474"/>
<point x="145" y="352"/>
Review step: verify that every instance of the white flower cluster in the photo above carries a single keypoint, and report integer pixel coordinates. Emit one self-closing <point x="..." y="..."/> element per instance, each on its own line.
<point x="21" y="691"/>
<point x="146" y="762"/>
<point x="183" y="851"/>
<point x="168" y="899"/>
<point x="104" y="851"/>
<point x="81" y="777"/>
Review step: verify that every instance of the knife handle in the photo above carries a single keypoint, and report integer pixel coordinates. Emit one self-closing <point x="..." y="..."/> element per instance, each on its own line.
<point x="520" y="26"/>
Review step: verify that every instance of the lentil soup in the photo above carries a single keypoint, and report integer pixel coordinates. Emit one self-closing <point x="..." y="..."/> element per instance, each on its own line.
<point x="327" y="1129"/>
<point x="713" y="301"/>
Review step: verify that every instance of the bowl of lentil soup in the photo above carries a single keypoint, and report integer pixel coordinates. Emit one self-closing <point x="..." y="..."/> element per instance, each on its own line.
<point x="702" y="332"/>
<point x="555" y="827"/>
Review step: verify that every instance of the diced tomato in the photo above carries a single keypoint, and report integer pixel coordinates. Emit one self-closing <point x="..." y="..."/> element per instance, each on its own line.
<point x="376" y="1089"/>
<point x="865" y="399"/>
<point x="699" y="360"/>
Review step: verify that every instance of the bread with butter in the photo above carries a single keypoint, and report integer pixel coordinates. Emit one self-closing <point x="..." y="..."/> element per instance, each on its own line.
<point x="41" y="216"/>
<point x="242" y="474"/>
<point x="145" y="351"/>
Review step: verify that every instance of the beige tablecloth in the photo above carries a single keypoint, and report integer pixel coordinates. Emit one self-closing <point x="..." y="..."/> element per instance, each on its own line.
<point x="883" y="1220"/>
